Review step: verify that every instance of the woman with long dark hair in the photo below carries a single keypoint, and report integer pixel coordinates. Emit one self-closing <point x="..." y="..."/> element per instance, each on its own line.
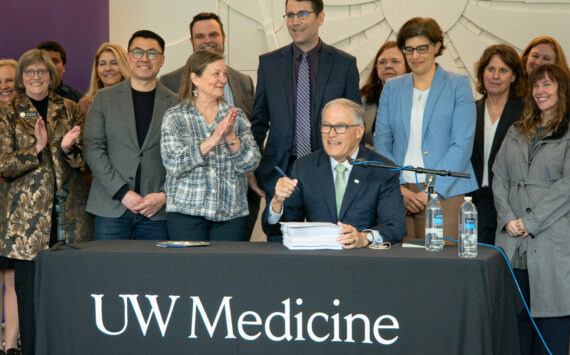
<point x="531" y="188"/>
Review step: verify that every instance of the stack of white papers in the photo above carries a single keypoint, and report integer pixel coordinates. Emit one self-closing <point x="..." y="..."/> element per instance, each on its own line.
<point x="310" y="235"/>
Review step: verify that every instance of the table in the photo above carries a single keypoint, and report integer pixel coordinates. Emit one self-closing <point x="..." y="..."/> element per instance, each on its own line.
<point x="127" y="297"/>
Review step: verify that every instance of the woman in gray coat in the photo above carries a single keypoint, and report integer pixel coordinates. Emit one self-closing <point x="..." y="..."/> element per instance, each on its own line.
<point x="532" y="196"/>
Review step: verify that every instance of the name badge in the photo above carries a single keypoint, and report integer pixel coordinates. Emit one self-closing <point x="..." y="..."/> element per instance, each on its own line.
<point x="29" y="114"/>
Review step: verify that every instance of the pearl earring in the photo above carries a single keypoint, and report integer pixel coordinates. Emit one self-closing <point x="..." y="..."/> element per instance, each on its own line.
<point x="195" y="92"/>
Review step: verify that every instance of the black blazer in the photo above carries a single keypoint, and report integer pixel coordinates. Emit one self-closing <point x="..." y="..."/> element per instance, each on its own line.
<point x="483" y="197"/>
<point x="511" y="113"/>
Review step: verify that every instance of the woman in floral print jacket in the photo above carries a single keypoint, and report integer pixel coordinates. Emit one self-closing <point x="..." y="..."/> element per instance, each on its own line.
<point x="40" y="161"/>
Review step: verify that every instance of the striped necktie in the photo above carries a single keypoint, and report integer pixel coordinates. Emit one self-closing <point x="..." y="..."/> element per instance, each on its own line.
<point x="303" y="108"/>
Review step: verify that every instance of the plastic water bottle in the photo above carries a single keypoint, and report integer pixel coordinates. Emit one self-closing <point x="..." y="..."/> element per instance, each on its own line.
<point x="434" y="224"/>
<point x="467" y="229"/>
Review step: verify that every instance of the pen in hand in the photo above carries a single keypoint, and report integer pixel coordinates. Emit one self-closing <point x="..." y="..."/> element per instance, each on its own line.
<point x="282" y="173"/>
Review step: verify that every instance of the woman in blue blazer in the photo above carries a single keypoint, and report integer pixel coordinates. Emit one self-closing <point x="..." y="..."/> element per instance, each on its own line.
<point x="427" y="118"/>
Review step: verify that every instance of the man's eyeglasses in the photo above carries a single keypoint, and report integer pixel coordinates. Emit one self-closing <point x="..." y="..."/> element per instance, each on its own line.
<point x="29" y="73"/>
<point x="338" y="128"/>
<point x="420" y="49"/>
<point x="151" y="54"/>
<point x="301" y="15"/>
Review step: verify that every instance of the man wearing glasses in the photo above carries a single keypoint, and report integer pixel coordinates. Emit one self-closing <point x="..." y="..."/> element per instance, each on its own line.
<point x="293" y="84"/>
<point x="324" y="187"/>
<point x="122" y="148"/>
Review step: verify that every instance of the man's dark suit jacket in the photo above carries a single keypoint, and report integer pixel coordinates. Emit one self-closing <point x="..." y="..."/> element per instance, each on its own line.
<point x="273" y="105"/>
<point x="241" y="85"/>
<point x="372" y="199"/>
<point x="483" y="198"/>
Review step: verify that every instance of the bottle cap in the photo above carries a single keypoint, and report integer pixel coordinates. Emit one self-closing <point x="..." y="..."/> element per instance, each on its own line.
<point x="433" y="195"/>
<point x="467" y="198"/>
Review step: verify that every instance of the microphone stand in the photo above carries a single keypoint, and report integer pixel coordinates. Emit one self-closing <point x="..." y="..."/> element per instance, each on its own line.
<point x="60" y="213"/>
<point x="430" y="173"/>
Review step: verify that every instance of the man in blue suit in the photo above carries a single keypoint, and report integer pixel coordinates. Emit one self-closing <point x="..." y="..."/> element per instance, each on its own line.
<point x="293" y="84"/>
<point x="324" y="187"/>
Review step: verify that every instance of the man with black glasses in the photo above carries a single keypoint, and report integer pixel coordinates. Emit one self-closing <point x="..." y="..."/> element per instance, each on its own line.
<point x="122" y="148"/>
<point x="293" y="84"/>
<point x="324" y="187"/>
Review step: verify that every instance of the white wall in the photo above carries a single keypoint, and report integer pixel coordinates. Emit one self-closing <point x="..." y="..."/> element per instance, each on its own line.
<point x="359" y="27"/>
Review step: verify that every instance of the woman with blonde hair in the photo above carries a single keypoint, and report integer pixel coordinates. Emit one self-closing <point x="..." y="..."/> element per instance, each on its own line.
<point x="7" y="80"/>
<point x="109" y="68"/>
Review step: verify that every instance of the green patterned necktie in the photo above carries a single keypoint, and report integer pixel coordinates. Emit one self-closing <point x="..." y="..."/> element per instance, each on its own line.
<point x="339" y="185"/>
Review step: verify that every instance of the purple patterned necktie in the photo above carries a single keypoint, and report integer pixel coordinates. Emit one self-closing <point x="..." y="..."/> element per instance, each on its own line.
<point x="303" y="114"/>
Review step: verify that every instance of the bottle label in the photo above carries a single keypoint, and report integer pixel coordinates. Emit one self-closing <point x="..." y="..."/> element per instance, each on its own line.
<point x="438" y="220"/>
<point x="470" y="223"/>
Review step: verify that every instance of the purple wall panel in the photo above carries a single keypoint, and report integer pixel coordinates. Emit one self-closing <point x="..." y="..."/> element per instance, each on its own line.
<point x="79" y="26"/>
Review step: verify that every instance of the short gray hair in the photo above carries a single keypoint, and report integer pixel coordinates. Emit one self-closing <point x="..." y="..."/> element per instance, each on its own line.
<point x="35" y="56"/>
<point x="356" y="109"/>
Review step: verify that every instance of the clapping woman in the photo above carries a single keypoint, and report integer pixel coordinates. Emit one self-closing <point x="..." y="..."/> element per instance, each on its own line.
<point x="40" y="165"/>
<point x="532" y="195"/>
<point x="207" y="149"/>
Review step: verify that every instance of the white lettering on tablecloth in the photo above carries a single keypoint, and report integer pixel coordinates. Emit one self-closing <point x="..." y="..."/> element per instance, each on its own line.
<point x="250" y="324"/>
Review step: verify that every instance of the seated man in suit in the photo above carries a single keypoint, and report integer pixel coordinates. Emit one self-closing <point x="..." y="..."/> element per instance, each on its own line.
<point x="324" y="187"/>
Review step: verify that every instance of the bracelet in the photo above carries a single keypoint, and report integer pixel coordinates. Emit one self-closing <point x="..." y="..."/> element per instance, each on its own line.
<point x="233" y="142"/>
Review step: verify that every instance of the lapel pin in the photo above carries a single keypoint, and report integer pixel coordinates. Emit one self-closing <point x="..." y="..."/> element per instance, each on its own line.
<point x="22" y="114"/>
<point x="356" y="181"/>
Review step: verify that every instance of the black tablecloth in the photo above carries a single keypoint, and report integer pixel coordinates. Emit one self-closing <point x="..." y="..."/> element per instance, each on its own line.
<point x="436" y="303"/>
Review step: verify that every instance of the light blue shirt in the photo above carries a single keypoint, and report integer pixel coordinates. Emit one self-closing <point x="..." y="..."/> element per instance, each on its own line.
<point x="228" y="96"/>
<point x="273" y="218"/>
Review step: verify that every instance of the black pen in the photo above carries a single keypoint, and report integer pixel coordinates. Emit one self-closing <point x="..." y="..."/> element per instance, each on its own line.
<point x="282" y="173"/>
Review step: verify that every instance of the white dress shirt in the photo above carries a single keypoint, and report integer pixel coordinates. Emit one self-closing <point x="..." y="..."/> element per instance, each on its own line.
<point x="414" y="155"/>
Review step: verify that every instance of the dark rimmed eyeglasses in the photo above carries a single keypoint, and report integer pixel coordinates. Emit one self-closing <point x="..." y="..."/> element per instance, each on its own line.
<point x="338" y="128"/>
<point x="420" y="49"/>
<point x="151" y="54"/>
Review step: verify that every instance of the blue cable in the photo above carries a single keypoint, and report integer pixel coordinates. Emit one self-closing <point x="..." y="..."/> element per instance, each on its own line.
<point x="484" y="244"/>
<point x="518" y="288"/>
<point x="417" y="183"/>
